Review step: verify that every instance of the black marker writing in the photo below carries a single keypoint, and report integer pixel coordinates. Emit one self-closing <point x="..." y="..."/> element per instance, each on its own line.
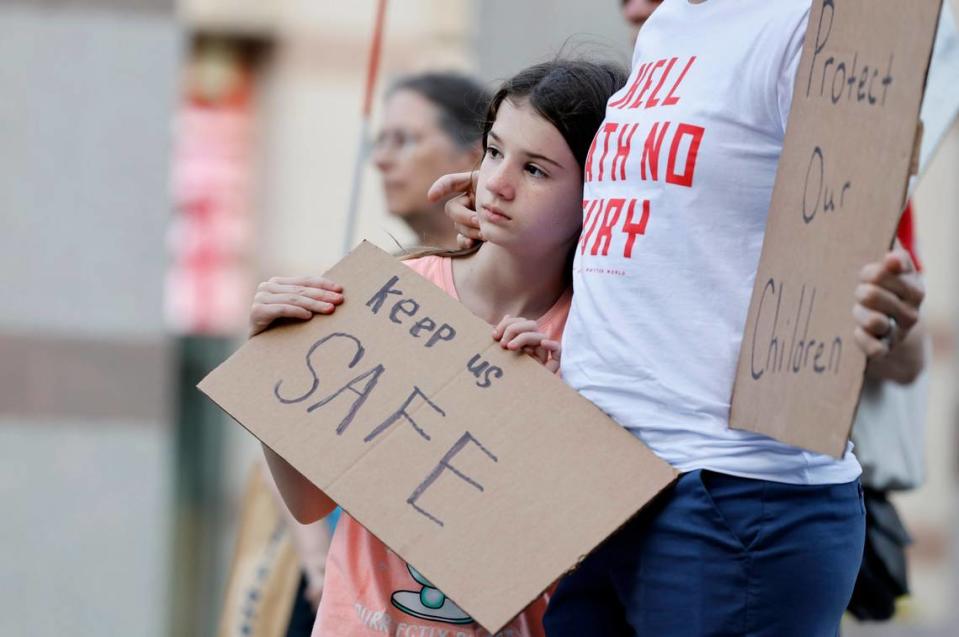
<point x="368" y="381"/>
<point x="444" y="464"/>
<point x="479" y="367"/>
<point x="862" y="85"/>
<point x="817" y="193"/>
<point x="403" y="413"/>
<point x="408" y="308"/>
<point x="376" y="301"/>
<point x="797" y="358"/>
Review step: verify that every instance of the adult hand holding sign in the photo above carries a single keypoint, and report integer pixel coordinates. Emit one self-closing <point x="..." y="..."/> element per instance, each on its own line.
<point x="888" y="298"/>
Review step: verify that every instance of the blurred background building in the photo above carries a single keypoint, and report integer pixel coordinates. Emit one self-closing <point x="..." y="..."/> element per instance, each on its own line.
<point x="158" y="159"/>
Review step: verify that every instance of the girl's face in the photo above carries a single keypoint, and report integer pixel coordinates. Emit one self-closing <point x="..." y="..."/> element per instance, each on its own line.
<point x="529" y="194"/>
<point x="412" y="152"/>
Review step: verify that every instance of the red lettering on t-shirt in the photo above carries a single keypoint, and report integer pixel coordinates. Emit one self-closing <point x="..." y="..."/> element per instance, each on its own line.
<point x="623" y="145"/>
<point x="594" y="207"/>
<point x="648" y="85"/>
<point x="653" y="101"/>
<point x="589" y="159"/>
<point x="640" y="76"/>
<point x="605" y="234"/>
<point x="609" y="128"/>
<point x="695" y="133"/>
<point x="633" y="229"/>
<point x="671" y="99"/>
<point x="651" y="152"/>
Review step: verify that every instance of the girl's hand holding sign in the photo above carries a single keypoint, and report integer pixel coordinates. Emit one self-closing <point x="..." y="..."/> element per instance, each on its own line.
<point x="292" y="297"/>
<point x="519" y="334"/>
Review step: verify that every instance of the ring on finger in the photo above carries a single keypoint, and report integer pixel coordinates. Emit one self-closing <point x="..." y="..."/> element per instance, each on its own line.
<point x="890" y="336"/>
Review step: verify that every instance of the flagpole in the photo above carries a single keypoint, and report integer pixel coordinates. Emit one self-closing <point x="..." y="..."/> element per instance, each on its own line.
<point x="363" y="144"/>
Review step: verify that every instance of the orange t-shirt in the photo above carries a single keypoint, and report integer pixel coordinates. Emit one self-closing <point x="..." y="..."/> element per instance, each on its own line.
<point x="370" y="590"/>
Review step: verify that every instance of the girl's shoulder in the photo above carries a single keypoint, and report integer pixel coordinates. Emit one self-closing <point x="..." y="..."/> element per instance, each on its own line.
<point x="425" y="264"/>
<point x="436" y="269"/>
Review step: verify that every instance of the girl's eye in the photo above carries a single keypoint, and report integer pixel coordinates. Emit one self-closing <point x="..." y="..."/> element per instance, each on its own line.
<point x="535" y="170"/>
<point x="493" y="152"/>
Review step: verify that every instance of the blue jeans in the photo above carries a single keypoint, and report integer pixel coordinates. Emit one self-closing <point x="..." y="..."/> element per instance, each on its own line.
<point x="720" y="555"/>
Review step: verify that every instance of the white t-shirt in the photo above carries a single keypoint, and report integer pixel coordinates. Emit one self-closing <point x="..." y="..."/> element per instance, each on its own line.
<point x="678" y="185"/>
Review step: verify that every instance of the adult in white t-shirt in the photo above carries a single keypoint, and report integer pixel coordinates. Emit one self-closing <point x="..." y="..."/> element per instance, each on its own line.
<point x="757" y="537"/>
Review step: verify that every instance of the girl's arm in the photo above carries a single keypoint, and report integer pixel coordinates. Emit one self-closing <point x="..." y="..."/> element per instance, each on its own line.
<point x="294" y="298"/>
<point x="304" y="499"/>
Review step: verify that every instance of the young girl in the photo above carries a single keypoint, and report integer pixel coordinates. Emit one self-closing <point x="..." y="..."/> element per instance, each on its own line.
<point x="528" y="198"/>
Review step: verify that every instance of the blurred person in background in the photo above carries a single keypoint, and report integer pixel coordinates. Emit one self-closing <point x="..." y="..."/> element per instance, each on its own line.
<point x="636" y="12"/>
<point x="432" y="125"/>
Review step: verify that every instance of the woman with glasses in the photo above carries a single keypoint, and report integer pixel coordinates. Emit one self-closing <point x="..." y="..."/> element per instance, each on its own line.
<point x="432" y="123"/>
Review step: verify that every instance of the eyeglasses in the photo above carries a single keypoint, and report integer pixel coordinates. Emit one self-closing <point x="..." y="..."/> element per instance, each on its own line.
<point x="397" y="140"/>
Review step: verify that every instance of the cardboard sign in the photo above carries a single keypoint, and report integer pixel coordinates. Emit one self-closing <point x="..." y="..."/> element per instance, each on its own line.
<point x="476" y="465"/>
<point x="839" y="192"/>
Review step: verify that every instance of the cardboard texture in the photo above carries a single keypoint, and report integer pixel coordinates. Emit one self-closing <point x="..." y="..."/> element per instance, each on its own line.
<point x="476" y="465"/>
<point x="839" y="193"/>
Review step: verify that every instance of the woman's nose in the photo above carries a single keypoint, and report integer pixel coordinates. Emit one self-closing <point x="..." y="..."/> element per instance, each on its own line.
<point x="382" y="157"/>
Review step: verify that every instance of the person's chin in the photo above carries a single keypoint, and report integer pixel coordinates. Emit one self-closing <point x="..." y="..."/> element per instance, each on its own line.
<point x="401" y="210"/>
<point x="498" y="235"/>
